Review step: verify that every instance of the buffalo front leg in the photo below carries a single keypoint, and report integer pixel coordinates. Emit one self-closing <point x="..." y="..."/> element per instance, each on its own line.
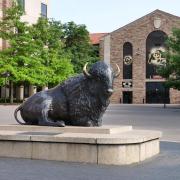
<point x="46" y="121"/>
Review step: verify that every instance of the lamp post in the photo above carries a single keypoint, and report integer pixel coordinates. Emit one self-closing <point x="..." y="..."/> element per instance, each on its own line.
<point x="165" y="97"/>
<point x="157" y="97"/>
<point x="5" y="75"/>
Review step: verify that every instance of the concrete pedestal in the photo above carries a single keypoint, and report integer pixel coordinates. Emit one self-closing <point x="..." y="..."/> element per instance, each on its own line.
<point x="101" y="145"/>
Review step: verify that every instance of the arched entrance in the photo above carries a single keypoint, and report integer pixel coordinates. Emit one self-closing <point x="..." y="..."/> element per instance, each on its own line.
<point x="155" y="46"/>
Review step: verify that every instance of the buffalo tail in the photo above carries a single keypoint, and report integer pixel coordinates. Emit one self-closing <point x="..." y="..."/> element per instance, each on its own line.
<point x="15" y="115"/>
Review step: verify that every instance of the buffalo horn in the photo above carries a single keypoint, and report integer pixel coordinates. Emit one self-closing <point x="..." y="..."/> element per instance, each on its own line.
<point x="85" y="70"/>
<point x="118" y="72"/>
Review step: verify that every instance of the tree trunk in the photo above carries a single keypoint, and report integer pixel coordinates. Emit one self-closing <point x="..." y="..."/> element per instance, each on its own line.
<point x="11" y="92"/>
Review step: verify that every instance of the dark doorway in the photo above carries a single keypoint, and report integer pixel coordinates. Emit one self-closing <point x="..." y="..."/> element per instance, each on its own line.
<point x="127" y="97"/>
<point x="156" y="93"/>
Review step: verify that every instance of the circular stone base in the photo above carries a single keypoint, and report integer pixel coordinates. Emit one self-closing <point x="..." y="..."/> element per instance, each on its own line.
<point x="118" y="148"/>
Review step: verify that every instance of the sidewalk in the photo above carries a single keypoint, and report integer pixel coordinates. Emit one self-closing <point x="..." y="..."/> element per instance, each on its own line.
<point x="165" y="166"/>
<point x="149" y="105"/>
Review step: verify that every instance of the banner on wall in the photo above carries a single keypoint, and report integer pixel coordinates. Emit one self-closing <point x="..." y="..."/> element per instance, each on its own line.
<point x="156" y="57"/>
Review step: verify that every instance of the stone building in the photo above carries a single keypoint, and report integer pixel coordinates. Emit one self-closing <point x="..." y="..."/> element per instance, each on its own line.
<point x="96" y="37"/>
<point x="33" y="10"/>
<point x="138" y="49"/>
<point x="95" y="41"/>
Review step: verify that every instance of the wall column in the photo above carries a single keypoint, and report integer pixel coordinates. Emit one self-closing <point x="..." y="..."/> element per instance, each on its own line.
<point x="4" y="91"/>
<point x="107" y="48"/>
<point x="20" y="93"/>
<point x="32" y="90"/>
<point x="44" y="88"/>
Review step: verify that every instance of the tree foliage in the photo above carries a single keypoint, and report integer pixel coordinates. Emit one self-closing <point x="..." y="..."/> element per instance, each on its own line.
<point x="77" y="42"/>
<point x="172" y="69"/>
<point x="20" y="45"/>
<point x="34" y="52"/>
<point x="47" y="34"/>
<point x="45" y="53"/>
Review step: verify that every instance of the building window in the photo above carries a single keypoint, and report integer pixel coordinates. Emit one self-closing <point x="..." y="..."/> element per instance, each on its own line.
<point x="127" y="60"/>
<point x="43" y="10"/>
<point x="22" y="4"/>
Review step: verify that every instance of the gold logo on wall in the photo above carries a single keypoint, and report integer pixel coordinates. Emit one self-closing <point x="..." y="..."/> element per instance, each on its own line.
<point x="128" y="60"/>
<point x="156" y="57"/>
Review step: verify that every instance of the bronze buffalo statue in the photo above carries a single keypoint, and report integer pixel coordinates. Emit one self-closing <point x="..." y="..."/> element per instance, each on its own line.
<point x="79" y="101"/>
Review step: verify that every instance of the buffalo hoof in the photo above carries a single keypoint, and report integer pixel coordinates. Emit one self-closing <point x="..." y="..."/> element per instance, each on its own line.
<point x="61" y="124"/>
<point x="89" y="124"/>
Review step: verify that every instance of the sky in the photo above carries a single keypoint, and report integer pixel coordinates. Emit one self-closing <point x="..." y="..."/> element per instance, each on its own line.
<point x="107" y="15"/>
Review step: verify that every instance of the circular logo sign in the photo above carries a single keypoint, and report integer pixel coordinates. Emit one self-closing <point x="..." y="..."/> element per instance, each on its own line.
<point x="128" y="60"/>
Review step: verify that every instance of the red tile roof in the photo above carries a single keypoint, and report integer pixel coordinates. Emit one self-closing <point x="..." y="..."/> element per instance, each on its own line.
<point x="95" y="37"/>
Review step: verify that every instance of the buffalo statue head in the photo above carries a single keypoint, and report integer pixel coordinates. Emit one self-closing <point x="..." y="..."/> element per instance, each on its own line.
<point x="102" y="76"/>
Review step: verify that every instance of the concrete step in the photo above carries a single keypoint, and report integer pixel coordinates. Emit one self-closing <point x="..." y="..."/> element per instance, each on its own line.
<point x="71" y="129"/>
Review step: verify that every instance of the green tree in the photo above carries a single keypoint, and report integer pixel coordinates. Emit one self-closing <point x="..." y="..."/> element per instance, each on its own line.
<point x="171" y="71"/>
<point x="20" y="57"/>
<point x="43" y="53"/>
<point x="47" y="34"/>
<point x="77" y="42"/>
<point x="35" y="54"/>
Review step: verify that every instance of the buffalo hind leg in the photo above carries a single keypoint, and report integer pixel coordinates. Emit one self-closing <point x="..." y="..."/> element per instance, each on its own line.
<point x="45" y="121"/>
<point x="83" y="122"/>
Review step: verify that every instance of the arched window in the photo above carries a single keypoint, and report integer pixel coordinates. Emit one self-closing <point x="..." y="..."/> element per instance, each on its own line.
<point x="155" y="46"/>
<point x="127" y="60"/>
